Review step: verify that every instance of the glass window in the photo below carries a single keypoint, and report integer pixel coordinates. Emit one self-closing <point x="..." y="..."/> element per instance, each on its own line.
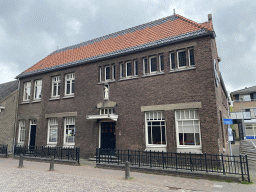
<point x="26" y="93"/>
<point x="121" y="70"/>
<point x="22" y="131"/>
<point x="52" y="130"/>
<point x="70" y="84"/>
<point x="100" y="74"/>
<point x="70" y="130"/>
<point x="188" y="127"/>
<point x="182" y="58"/>
<point x="135" y="68"/>
<point x="191" y="57"/>
<point x="56" y="86"/>
<point x="128" y="69"/>
<point x="153" y="64"/>
<point x="107" y="73"/>
<point x="145" y="66"/>
<point x="172" y="61"/>
<point x="155" y="128"/>
<point x="37" y="89"/>
<point x="113" y="72"/>
<point x="161" y="63"/>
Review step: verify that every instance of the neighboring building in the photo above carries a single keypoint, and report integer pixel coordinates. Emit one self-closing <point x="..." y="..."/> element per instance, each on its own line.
<point x="244" y="100"/>
<point x="156" y="86"/>
<point x="8" y="106"/>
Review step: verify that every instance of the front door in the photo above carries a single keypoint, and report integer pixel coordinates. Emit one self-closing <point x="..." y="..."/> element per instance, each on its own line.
<point x="108" y="137"/>
<point x="32" y="137"/>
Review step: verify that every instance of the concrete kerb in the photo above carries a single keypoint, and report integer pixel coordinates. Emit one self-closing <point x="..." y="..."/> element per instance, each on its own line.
<point x="179" y="173"/>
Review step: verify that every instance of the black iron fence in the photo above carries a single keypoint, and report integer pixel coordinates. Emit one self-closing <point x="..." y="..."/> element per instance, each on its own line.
<point x="225" y="164"/>
<point x="59" y="153"/>
<point x="3" y="150"/>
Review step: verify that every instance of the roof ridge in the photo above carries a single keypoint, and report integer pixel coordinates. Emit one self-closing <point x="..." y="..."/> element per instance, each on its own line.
<point x="115" y="34"/>
<point x="193" y="22"/>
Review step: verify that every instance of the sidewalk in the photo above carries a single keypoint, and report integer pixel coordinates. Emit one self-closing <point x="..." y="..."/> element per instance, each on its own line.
<point x="36" y="177"/>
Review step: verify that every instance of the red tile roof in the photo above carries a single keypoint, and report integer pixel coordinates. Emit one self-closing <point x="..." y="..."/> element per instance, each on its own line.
<point x="168" y="27"/>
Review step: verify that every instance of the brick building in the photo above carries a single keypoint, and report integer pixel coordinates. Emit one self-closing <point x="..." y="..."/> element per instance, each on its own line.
<point x="156" y="86"/>
<point x="8" y="109"/>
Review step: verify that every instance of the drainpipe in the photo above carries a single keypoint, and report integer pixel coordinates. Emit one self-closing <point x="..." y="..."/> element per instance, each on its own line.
<point x="16" y="116"/>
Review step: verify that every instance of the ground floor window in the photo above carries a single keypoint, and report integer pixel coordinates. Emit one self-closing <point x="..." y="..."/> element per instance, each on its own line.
<point x="69" y="131"/>
<point x="250" y="131"/>
<point x="52" y="131"/>
<point x="155" y="128"/>
<point x="22" y="131"/>
<point x="188" y="127"/>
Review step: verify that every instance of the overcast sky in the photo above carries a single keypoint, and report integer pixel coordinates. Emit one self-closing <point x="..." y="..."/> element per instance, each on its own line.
<point x="32" y="29"/>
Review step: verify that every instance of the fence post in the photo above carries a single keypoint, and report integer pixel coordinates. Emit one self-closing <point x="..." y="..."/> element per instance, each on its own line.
<point x="150" y="158"/>
<point x="99" y="154"/>
<point x="191" y="165"/>
<point x="6" y="151"/>
<point x="247" y="168"/>
<point x="176" y="156"/>
<point x="205" y="162"/>
<point x="241" y="164"/>
<point x="223" y="166"/>
<point x="127" y="170"/>
<point x="21" y="161"/>
<point x="139" y="158"/>
<point x="52" y="164"/>
<point x="128" y="155"/>
<point x="118" y="156"/>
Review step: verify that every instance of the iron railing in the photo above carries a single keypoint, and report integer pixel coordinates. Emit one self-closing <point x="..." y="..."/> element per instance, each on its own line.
<point x="59" y="153"/>
<point x="225" y="164"/>
<point x="3" y="150"/>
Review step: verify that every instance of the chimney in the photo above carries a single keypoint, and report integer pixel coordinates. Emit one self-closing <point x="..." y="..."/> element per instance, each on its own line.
<point x="209" y="17"/>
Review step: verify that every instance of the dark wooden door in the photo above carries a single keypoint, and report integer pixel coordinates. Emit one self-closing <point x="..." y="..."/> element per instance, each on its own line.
<point x="32" y="136"/>
<point x="108" y="137"/>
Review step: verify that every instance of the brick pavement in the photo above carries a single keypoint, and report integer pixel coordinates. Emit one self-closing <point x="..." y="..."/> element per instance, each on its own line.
<point x="36" y="177"/>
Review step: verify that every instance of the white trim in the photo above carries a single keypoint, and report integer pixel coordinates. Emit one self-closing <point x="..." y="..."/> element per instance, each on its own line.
<point x="144" y="71"/>
<point x="70" y="78"/>
<point x="160" y="62"/>
<point x="135" y="66"/>
<point x="100" y="74"/>
<point x="189" y="62"/>
<point x="111" y="117"/>
<point x="23" y="121"/>
<point x="38" y="87"/>
<point x="65" y="120"/>
<point x="121" y="70"/>
<point x="57" y="80"/>
<point x="106" y="73"/>
<point x="126" y="69"/>
<point x="152" y="72"/>
<point x="113" y="71"/>
<point x="48" y="131"/>
<point x="26" y="89"/>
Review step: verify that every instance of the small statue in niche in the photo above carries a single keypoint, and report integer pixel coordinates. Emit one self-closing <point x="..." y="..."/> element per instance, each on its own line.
<point x="106" y="92"/>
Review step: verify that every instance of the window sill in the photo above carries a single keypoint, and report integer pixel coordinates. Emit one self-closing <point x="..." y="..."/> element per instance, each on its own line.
<point x="153" y="74"/>
<point x="68" y="96"/>
<point x="69" y="145"/>
<point x="24" y="102"/>
<point x="128" y="78"/>
<point x="181" y="69"/>
<point x="36" y="101"/>
<point x="109" y="81"/>
<point x="51" y="145"/>
<point x="156" y="148"/>
<point x="54" y="98"/>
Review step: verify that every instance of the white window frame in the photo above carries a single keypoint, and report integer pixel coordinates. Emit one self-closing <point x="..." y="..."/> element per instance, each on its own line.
<point x="52" y="125"/>
<point x="192" y="117"/>
<point x="160" y="61"/>
<point x="178" y="60"/>
<point x="67" y="122"/>
<point x="150" y="58"/>
<point x="69" y="77"/>
<point x="27" y="91"/>
<point x="172" y="55"/>
<point x="22" y="132"/>
<point x="189" y="56"/>
<point x="113" y="72"/>
<point x="126" y="67"/>
<point x="38" y="89"/>
<point x="106" y="111"/>
<point x="135" y="62"/>
<point x="106" y="73"/>
<point x="56" y="80"/>
<point x="159" y="118"/>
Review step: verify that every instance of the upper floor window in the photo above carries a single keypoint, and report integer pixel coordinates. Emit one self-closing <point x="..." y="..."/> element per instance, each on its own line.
<point x="172" y="61"/>
<point x="22" y="129"/>
<point x="37" y="89"/>
<point x="26" y="93"/>
<point x="128" y="69"/>
<point x="56" y="86"/>
<point x="191" y="57"/>
<point x="155" y="128"/>
<point x="113" y="72"/>
<point x="70" y="84"/>
<point x="182" y="61"/>
<point x="107" y="111"/>
<point x="121" y="70"/>
<point x="161" y="63"/>
<point x="107" y="73"/>
<point x="153" y="64"/>
<point x="145" y="66"/>
<point x="100" y="74"/>
<point x="135" y="68"/>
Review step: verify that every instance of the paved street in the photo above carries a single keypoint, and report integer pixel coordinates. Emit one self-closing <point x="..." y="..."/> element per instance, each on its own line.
<point x="36" y="177"/>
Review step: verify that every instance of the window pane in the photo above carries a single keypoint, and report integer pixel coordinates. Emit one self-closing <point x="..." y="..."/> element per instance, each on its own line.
<point x="54" y="89"/>
<point x="187" y="114"/>
<point x="135" y="68"/>
<point x="73" y="86"/>
<point x="197" y="139"/>
<point x="188" y="129"/>
<point x="155" y="116"/>
<point x="156" y="134"/>
<point x="58" y="88"/>
<point x="249" y="131"/>
<point x="147" y="116"/>
<point x="114" y="72"/>
<point x="151" y="116"/>
<point x="181" y="114"/>
<point x="155" y="123"/>
<point x="162" y="62"/>
<point x="189" y="139"/>
<point x="107" y="73"/>
<point x="182" y="58"/>
<point x="191" y="114"/>
<point x="181" y="138"/>
<point x="188" y="123"/>
<point x="196" y="128"/>
<point x="68" y="87"/>
<point x="129" y="69"/>
<point x="177" y="114"/>
<point x="145" y="65"/>
<point x="163" y="135"/>
<point x="172" y="61"/>
<point x="191" y="57"/>
<point x="196" y="114"/>
<point x="153" y="64"/>
<point x="149" y="136"/>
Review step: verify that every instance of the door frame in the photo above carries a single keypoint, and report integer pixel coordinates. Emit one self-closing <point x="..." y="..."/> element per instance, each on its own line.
<point x="104" y="121"/>
<point x="31" y="123"/>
